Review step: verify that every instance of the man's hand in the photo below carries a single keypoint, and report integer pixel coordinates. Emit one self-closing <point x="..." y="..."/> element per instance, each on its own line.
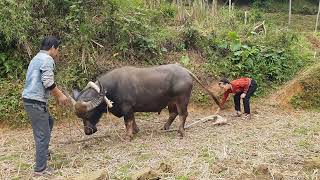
<point x="63" y="100"/>
<point x="243" y="95"/>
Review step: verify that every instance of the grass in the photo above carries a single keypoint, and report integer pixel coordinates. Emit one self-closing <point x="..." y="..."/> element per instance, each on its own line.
<point x="124" y="170"/>
<point x="11" y="157"/>
<point x="183" y="177"/>
<point x="305" y="143"/>
<point x="59" y="161"/>
<point x="144" y="157"/>
<point x="238" y="147"/>
<point x="300" y="23"/>
<point x="208" y="156"/>
<point x="301" y="131"/>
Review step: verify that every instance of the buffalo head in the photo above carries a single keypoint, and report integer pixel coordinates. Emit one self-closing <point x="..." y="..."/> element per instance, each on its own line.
<point x="88" y="105"/>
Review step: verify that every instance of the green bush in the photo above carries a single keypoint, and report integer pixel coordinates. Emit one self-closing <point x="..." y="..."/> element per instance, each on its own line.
<point x="267" y="65"/>
<point x="11" y="66"/>
<point x="168" y="11"/>
<point x="15" y="20"/>
<point x="298" y="6"/>
<point x="11" y="106"/>
<point x="262" y="3"/>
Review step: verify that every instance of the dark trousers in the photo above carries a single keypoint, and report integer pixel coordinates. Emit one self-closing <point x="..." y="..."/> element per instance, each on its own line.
<point x="246" y="100"/>
<point x="42" y="124"/>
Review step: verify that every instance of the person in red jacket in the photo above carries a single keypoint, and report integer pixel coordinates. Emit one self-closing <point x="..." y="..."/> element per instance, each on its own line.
<point x="242" y="88"/>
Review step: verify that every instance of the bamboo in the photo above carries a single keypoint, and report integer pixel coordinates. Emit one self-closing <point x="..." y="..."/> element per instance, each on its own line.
<point x="245" y="17"/>
<point x="213" y="9"/>
<point x="230" y="3"/>
<point x="290" y="3"/>
<point x="317" y="21"/>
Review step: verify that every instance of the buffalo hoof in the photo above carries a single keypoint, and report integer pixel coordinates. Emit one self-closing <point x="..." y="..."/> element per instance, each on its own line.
<point x="165" y="127"/>
<point x="89" y="131"/>
<point x="128" y="138"/>
<point x="181" y="133"/>
<point x="136" y="130"/>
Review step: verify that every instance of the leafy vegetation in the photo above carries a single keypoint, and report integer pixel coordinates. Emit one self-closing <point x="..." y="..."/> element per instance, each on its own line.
<point x="267" y="65"/>
<point x="11" y="105"/>
<point x="298" y="6"/>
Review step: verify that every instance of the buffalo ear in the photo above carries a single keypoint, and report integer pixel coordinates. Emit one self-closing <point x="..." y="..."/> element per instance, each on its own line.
<point x="75" y="94"/>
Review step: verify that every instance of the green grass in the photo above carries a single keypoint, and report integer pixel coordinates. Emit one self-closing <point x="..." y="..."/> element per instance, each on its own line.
<point x="25" y="166"/>
<point x="298" y="6"/>
<point x="299" y="23"/>
<point x="59" y="160"/>
<point x="305" y="143"/>
<point x="208" y="156"/>
<point x="11" y="157"/>
<point x="144" y="156"/>
<point x="124" y="169"/>
<point x="301" y="131"/>
<point x="182" y="177"/>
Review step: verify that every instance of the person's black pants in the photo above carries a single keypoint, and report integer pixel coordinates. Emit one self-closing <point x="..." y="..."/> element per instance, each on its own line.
<point x="246" y="100"/>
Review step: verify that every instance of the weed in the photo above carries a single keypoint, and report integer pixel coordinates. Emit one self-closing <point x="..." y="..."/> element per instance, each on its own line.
<point x="144" y="156"/>
<point x="304" y="143"/>
<point x="11" y="106"/>
<point x="208" y="156"/>
<point x="125" y="168"/>
<point x="25" y="166"/>
<point x="301" y="131"/>
<point x="12" y="157"/>
<point x="59" y="160"/>
<point x="183" y="177"/>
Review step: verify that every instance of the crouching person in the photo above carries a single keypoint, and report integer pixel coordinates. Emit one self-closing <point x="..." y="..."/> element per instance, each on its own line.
<point x="39" y="83"/>
<point x="242" y="88"/>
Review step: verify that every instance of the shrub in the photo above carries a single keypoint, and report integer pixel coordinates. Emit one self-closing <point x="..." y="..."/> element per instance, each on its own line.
<point x="11" y="106"/>
<point x="11" y="66"/>
<point x="267" y="65"/>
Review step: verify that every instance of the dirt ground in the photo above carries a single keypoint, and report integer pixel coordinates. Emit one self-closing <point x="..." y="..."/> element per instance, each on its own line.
<point x="275" y="144"/>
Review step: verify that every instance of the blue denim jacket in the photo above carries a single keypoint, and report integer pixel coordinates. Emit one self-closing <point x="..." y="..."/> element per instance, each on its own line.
<point x="40" y="76"/>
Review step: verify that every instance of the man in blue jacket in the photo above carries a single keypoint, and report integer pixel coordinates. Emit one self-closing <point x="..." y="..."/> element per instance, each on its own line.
<point x="38" y="85"/>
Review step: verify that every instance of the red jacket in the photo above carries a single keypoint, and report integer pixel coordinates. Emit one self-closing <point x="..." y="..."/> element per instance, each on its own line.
<point x="237" y="86"/>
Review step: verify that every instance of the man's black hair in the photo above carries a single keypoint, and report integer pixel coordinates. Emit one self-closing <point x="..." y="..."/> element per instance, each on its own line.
<point x="49" y="42"/>
<point x="224" y="81"/>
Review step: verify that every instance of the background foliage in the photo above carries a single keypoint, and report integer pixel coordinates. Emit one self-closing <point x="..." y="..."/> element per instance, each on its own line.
<point x="100" y="35"/>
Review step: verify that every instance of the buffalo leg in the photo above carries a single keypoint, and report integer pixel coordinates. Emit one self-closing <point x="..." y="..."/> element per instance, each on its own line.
<point x="182" y="106"/>
<point x="173" y="112"/>
<point x="135" y="127"/>
<point x="128" y="120"/>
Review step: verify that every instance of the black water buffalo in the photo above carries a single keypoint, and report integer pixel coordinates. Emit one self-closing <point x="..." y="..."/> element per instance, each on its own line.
<point x="137" y="90"/>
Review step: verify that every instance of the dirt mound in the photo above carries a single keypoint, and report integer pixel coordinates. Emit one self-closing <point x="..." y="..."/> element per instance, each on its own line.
<point x="283" y="96"/>
<point x="315" y="42"/>
<point x="302" y="88"/>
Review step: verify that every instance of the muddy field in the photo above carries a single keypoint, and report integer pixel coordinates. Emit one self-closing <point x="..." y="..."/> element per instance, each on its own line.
<point x="275" y="144"/>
